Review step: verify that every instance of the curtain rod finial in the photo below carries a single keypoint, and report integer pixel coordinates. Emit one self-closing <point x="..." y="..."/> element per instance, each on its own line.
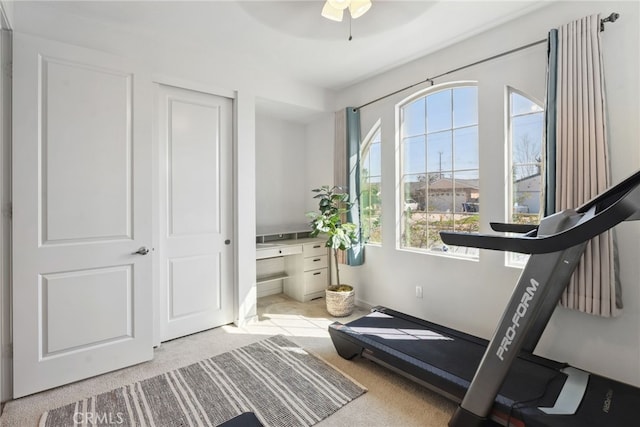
<point x="611" y="18"/>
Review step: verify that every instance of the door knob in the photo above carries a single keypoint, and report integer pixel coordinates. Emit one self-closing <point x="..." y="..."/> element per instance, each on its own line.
<point x="142" y="251"/>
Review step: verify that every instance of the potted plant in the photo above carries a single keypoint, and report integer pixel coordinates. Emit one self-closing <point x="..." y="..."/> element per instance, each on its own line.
<point x="333" y="203"/>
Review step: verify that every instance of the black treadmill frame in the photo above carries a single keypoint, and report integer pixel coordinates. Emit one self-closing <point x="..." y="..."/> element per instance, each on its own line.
<point x="350" y="343"/>
<point x="556" y="246"/>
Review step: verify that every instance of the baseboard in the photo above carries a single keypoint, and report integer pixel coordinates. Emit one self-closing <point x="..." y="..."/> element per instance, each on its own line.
<point x="246" y="321"/>
<point x="364" y="304"/>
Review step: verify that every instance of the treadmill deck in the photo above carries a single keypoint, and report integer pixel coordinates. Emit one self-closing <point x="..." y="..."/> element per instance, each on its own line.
<point x="445" y="360"/>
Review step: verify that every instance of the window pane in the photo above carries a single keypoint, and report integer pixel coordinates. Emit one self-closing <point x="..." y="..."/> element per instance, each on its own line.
<point x="523" y="105"/>
<point x="373" y="227"/>
<point x="375" y="160"/>
<point x="527" y="125"/>
<point x="413" y="116"/>
<point x="526" y="142"/>
<point x="364" y="164"/>
<point x="440" y="172"/>
<point x="440" y="194"/>
<point x="437" y="223"/>
<point x="370" y="189"/>
<point x="466" y="143"/>
<point x="414" y="193"/>
<point x="439" y="152"/>
<point x="439" y="111"/>
<point x="467" y="189"/>
<point x="411" y="184"/>
<point x="465" y="106"/>
<point x="414" y="230"/>
<point x="370" y="202"/>
<point x="414" y="155"/>
<point x="526" y="195"/>
<point x="376" y="139"/>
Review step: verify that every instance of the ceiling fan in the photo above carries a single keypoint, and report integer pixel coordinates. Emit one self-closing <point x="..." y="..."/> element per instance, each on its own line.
<point x="334" y="9"/>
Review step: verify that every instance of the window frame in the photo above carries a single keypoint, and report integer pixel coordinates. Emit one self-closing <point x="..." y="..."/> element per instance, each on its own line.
<point x="513" y="259"/>
<point x="365" y="146"/>
<point x="399" y="160"/>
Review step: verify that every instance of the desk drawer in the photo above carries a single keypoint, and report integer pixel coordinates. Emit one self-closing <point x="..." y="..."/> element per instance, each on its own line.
<point x="315" y="262"/>
<point x="315" y="281"/>
<point x="314" y="248"/>
<point x="278" y="251"/>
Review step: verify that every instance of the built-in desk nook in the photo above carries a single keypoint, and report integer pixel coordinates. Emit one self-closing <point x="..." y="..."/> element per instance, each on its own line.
<point x="291" y="262"/>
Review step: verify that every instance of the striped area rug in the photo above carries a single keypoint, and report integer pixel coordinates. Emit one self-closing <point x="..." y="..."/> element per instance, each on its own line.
<point x="281" y="383"/>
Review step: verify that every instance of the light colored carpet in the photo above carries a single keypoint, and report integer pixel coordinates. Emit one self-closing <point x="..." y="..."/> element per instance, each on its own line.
<point x="390" y="401"/>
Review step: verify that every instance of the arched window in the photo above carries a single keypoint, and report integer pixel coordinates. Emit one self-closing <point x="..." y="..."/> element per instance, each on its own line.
<point x="371" y="186"/>
<point x="439" y="167"/>
<point x="525" y="142"/>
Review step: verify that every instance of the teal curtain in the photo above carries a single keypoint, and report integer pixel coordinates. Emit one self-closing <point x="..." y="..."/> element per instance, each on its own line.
<point x="355" y="256"/>
<point x="550" y="131"/>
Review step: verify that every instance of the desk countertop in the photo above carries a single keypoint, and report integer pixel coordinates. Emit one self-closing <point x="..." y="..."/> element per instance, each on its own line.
<point x="288" y="242"/>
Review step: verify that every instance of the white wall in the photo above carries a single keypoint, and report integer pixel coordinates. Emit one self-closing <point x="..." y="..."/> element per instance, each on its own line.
<point x="169" y="53"/>
<point x="470" y="295"/>
<point x="319" y="157"/>
<point x="292" y="159"/>
<point x="280" y="171"/>
<point x="245" y="211"/>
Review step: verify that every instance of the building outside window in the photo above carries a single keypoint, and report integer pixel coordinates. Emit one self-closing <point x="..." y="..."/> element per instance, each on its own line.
<point x="371" y="187"/>
<point x="526" y="127"/>
<point x="439" y="169"/>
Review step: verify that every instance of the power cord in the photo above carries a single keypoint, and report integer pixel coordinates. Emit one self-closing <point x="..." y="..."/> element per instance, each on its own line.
<point x="523" y="403"/>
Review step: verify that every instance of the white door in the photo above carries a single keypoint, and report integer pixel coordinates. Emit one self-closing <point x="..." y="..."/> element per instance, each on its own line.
<point x="196" y="257"/>
<point x="81" y="208"/>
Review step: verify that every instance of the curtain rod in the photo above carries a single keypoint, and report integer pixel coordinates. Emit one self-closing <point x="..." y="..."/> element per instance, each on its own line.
<point x="611" y="18"/>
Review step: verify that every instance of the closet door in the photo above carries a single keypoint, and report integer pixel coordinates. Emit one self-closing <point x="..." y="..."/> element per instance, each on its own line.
<point x="196" y="256"/>
<point x="82" y="296"/>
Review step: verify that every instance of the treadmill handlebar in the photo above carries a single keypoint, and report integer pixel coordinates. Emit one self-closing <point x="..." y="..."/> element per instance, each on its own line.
<point x="612" y="207"/>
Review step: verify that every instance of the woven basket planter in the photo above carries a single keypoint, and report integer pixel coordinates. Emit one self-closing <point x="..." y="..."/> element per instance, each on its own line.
<point x="340" y="303"/>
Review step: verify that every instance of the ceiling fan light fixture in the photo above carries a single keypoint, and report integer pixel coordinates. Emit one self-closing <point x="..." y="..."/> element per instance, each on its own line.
<point x="330" y="12"/>
<point x="339" y="4"/>
<point x="357" y="8"/>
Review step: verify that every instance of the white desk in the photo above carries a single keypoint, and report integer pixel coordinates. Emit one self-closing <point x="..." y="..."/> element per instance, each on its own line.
<point x="297" y="267"/>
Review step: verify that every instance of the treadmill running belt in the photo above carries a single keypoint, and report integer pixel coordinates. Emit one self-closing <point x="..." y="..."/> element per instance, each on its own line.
<point x="448" y="359"/>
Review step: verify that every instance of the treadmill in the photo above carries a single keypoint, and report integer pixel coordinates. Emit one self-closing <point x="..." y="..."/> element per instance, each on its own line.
<point x="501" y="381"/>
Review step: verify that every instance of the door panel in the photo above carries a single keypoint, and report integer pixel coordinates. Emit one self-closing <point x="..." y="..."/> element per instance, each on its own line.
<point x="82" y="206"/>
<point x="191" y="292"/>
<point x="103" y="295"/>
<point x="98" y="205"/>
<point x="196" y="279"/>
<point x="194" y="165"/>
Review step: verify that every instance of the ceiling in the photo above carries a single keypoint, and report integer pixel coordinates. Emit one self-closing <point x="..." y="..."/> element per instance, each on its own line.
<point x="290" y="38"/>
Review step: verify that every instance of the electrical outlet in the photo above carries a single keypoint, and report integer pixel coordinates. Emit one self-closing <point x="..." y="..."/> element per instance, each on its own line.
<point x="418" y="291"/>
